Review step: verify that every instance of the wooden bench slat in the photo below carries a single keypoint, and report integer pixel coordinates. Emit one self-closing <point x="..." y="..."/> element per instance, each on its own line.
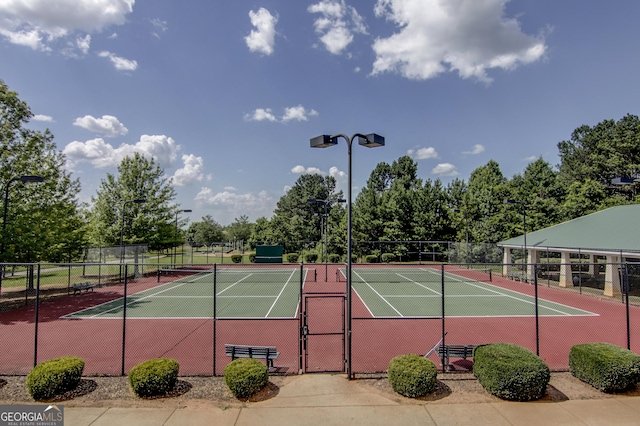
<point x="268" y="353"/>
<point x="448" y="351"/>
<point x="78" y="287"/>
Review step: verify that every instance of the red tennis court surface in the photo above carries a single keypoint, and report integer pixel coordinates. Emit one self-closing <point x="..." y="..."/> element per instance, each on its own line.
<point x="313" y="341"/>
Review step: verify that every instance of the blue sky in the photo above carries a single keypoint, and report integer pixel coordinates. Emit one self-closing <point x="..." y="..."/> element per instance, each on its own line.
<point x="225" y="95"/>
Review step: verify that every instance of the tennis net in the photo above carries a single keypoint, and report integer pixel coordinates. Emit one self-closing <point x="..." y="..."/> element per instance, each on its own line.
<point x="232" y="274"/>
<point x="421" y="275"/>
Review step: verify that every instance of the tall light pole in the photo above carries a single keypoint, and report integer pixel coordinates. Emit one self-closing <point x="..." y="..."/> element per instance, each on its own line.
<point x="324" y="225"/>
<point x="175" y="255"/>
<point x="23" y="179"/>
<point x="124" y="208"/>
<point x="371" y="140"/>
<point x="524" y="224"/>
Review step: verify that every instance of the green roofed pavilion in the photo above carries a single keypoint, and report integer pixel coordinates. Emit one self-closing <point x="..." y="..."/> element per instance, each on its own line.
<point x="613" y="233"/>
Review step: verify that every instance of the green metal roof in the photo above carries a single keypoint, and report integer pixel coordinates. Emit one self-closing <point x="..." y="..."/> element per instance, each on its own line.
<point x="614" y="230"/>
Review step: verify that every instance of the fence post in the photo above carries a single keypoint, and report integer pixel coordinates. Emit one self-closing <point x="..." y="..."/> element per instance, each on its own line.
<point x="124" y="316"/>
<point x="215" y="322"/>
<point x="444" y="333"/>
<point x="37" y="313"/>
<point x="626" y="295"/>
<point x="535" y="283"/>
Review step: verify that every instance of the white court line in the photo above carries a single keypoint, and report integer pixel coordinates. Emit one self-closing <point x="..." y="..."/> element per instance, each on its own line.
<point x="280" y="294"/>
<point x="376" y="292"/>
<point x="501" y="292"/>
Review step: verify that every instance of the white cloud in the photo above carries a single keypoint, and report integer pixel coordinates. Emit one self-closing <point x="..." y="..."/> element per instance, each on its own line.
<point x="301" y="170"/>
<point x="232" y="205"/>
<point x="445" y="169"/>
<point x="337" y="24"/>
<point x="337" y="173"/>
<point x="38" y="23"/>
<point x="477" y="149"/>
<point x="101" y="154"/>
<point x="229" y="188"/>
<point x="437" y="36"/>
<point x="261" y="114"/>
<point x="423" y="153"/>
<point x="45" y="118"/>
<point x="108" y="125"/>
<point x="298" y="113"/>
<point x="159" y="27"/>
<point x="191" y="172"/>
<point x="262" y="38"/>
<point x="121" y="64"/>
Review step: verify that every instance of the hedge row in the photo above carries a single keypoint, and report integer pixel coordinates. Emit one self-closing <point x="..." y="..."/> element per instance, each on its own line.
<point x="604" y="366"/>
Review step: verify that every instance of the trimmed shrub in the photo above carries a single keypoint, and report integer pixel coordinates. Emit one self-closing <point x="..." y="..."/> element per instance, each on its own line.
<point x="354" y="258"/>
<point x="292" y="257"/>
<point x="371" y="258"/>
<point x="334" y="258"/>
<point x="510" y="372"/>
<point x="311" y="257"/>
<point x="606" y="367"/>
<point x="412" y="375"/>
<point x="154" y="377"/>
<point x="245" y="376"/>
<point x="388" y="257"/>
<point x="53" y="377"/>
<point x="252" y="258"/>
<point x="236" y="258"/>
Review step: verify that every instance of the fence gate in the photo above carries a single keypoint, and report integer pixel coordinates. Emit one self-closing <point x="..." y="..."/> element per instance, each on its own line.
<point x="323" y="333"/>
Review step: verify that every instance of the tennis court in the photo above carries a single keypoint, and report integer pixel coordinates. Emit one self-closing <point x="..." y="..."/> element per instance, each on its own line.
<point x="232" y="292"/>
<point x="417" y="292"/>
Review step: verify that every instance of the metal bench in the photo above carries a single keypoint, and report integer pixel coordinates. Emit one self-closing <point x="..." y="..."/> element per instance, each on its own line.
<point x="268" y="353"/>
<point x="448" y="351"/>
<point x="78" y="287"/>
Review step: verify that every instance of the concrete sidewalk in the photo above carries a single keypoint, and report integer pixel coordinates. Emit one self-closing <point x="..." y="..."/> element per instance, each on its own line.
<point x="318" y="399"/>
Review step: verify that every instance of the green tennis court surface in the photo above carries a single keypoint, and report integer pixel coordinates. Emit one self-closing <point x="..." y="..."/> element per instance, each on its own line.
<point x="417" y="292"/>
<point x="239" y="293"/>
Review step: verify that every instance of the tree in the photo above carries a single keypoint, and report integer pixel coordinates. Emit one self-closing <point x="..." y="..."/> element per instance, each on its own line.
<point x="205" y="232"/>
<point x="151" y="222"/>
<point x="484" y="200"/>
<point x="609" y="149"/>
<point x="43" y="220"/>
<point x="240" y="229"/>
<point x="294" y="221"/>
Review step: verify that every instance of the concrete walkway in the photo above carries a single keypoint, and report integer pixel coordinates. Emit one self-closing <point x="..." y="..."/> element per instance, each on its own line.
<point x="318" y="400"/>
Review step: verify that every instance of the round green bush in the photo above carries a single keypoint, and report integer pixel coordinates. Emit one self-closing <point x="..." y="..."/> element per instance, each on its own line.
<point x="311" y="257"/>
<point x="371" y="258"/>
<point x="154" y="377"/>
<point x="236" y="258"/>
<point x="607" y="367"/>
<point x="388" y="257"/>
<point x="245" y="376"/>
<point x="292" y="257"/>
<point x="412" y="375"/>
<point x="252" y="258"/>
<point x="334" y="258"/>
<point x="54" y="377"/>
<point x="510" y="371"/>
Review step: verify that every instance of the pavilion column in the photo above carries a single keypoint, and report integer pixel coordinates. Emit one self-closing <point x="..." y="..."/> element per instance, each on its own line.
<point x="533" y="258"/>
<point x="566" y="277"/>
<point x="506" y="261"/>
<point x="612" y="277"/>
<point x="593" y="271"/>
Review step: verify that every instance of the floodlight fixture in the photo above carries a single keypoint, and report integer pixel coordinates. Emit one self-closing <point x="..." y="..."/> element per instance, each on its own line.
<point x="323" y="141"/>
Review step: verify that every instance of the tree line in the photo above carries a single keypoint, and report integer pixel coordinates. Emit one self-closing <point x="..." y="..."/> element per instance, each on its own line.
<point x="44" y="221"/>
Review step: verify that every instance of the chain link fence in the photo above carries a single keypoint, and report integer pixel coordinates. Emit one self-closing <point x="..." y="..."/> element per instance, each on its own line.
<point x="117" y="315"/>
